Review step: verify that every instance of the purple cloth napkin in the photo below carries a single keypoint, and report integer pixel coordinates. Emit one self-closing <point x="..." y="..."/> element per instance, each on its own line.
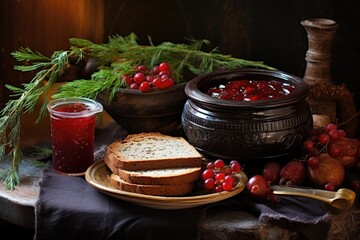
<point x="309" y="218"/>
<point x="69" y="208"/>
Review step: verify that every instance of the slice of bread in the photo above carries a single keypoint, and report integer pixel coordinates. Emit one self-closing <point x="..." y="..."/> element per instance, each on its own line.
<point x="157" y="190"/>
<point x="150" y="151"/>
<point x="171" y="176"/>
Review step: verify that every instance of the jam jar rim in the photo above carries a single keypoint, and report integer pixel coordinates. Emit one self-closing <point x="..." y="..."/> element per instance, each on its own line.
<point x="300" y="93"/>
<point x="94" y="107"/>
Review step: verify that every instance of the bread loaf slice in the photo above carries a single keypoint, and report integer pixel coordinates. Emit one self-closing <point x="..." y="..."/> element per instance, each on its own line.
<point x="157" y="190"/>
<point x="150" y="151"/>
<point x="169" y="176"/>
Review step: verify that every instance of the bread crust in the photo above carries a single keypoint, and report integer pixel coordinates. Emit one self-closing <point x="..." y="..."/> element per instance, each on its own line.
<point x="157" y="190"/>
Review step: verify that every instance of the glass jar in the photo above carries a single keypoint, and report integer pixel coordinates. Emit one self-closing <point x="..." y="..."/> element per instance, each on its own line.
<point x="72" y="122"/>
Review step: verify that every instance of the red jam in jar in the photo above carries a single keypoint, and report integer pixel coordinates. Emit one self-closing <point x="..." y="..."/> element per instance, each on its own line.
<point x="73" y="133"/>
<point x="251" y="90"/>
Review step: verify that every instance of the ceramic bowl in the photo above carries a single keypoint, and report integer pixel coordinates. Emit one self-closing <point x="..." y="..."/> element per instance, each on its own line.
<point x="156" y="110"/>
<point x="263" y="129"/>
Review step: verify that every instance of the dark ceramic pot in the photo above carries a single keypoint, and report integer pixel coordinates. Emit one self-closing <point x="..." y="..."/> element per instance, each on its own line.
<point x="153" y="111"/>
<point x="262" y="129"/>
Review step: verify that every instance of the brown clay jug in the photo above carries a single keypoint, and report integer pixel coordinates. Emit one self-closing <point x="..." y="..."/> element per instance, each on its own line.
<point x="320" y="34"/>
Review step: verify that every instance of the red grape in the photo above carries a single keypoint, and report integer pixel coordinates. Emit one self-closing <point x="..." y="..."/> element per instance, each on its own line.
<point x="293" y="173"/>
<point x="323" y="138"/>
<point x="330" y="187"/>
<point x="342" y="133"/>
<point x="219" y="163"/>
<point x="334" y="134"/>
<point x="308" y="145"/>
<point x="313" y="162"/>
<point x="209" y="183"/>
<point x="258" y="188"/>
<point x="226" y="186"/>
<point x="210" y="165"/>
<point x="235" y="166"/>
<point x="271" y="172"/>
<point x="330" y="127"/>
<point x="208" y="173"/>
<point x="219" y="177"/>
<point x="229" y="178"/>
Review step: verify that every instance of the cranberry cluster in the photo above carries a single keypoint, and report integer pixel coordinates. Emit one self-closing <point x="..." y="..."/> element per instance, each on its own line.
<point x="143" y="79"/>
<point x="218" y="177"/>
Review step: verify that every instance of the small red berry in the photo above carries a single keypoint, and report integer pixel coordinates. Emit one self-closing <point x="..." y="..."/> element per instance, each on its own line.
<point x="334" y="151"/>
<point x="134" y="86"/>
<point x="164" y="66"/>
<point x="210" y="165"/>
<point x="209" y="183"/>
<point x="219" y="164"/>
<point x="128" y="80"/>
<point x="141" y="68"/>
<point x="219" y="177"/>
<point x="342" y="133"/>
<point x="226" y="186"/>
<point x="235" y="166"/>
<point x="139" y="78"/>
<point x="144" y="86"/>
<point x="324" y="138"/>
<point x="330" y="127"/>
<point x="229" y="178"/>
<point x="334" y="134"/>
<point x="308" y="145"/>
<point x="208" y="173"/>
<point x="329" y="187"/>
<point x="313" y="162"/>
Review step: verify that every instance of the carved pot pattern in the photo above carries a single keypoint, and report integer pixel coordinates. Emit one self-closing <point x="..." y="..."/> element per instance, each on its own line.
<point x="246" y="130"/>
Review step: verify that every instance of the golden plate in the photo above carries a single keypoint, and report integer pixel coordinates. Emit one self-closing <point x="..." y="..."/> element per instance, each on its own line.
<point x="98" y="174"/>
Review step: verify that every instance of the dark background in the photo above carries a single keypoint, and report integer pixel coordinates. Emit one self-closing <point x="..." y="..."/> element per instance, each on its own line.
<point x="268" y="31"/>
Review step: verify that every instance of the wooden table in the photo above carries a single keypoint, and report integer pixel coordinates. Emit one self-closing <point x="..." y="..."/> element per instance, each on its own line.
<point x="17" y="206"/>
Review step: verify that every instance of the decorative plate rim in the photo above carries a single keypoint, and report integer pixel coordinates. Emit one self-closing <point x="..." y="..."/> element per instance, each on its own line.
<point x="98" y="173"/>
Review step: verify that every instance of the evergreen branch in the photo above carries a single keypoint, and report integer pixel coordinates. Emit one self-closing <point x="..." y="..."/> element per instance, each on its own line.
<point x="28" y="96"/>
<point x="26" y="54"/>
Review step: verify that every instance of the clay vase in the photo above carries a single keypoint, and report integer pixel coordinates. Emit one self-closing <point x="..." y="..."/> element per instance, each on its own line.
<point x="320" y="34"/>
